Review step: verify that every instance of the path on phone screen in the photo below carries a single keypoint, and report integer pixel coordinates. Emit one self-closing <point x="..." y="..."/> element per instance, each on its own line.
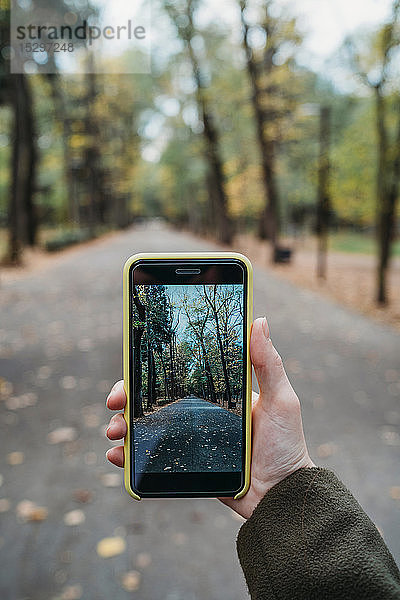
<point x="189" y="435"/>
<point x="60" y="352"/>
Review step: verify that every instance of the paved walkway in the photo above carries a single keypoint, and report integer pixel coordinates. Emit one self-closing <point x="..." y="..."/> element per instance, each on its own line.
<point x="60" y="350"/>
<point x="189" y="435"/>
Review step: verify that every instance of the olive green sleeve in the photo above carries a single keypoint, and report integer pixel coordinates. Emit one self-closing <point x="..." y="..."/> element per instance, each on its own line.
<point x="310" y="539"/>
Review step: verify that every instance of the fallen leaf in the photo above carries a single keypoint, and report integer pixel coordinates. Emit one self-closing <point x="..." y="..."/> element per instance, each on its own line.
<point x="326" y="450"/>
<point x="131" y="581"/>
<point x="16" y="402"/>
<point x="6" y="388"/>
<point x="143" y="560"/>
<point x="196" y="516"/>
<point x="15" y="458"/>
<point x="5" y="505"/>
<point x="111" y="546"/>
<point x="29" y="511"/>
<point x="44" y="372"/>
<point x="61" y="435"/>
<point x="71" y="592"/>
<point x="394" y="492"/>
<point x="111" y="479"/>
<point x="91" y="420"/>
<point x="83" y="496"/>
<point x="74" y="517"/>
<point x="68" y="382"/>
<point x="179" y="538"/>
<point x="12" y="403"/>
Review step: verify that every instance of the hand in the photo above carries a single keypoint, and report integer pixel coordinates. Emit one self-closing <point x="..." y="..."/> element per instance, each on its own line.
<point x="278" y="444"/>
<point x="278" y="447"/>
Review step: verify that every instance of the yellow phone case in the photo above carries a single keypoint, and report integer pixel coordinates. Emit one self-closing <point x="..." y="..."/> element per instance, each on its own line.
<point x="126" y="353"/>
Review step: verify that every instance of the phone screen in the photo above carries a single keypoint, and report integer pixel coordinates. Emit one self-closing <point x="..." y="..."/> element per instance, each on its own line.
<point x="188" y="366"/>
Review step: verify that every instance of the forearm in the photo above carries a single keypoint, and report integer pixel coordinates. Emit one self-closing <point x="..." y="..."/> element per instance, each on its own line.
<point x="310" y="539"/>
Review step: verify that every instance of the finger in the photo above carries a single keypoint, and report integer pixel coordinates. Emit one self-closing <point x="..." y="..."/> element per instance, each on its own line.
<point x="116" y="456"/>
<point x="117" y="428"/>
<point x="267" y="363"/>
<point x="116" y="399"/>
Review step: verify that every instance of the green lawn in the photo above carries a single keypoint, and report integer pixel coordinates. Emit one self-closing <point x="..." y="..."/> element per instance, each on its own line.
<point x="358" y="243"/>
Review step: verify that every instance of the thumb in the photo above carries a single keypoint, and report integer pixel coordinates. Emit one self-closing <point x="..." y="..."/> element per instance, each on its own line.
<point x="267" y="363"/>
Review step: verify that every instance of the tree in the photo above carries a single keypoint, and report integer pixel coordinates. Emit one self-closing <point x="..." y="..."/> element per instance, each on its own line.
<point x="15" y="90"/>
<point x="138" y="330"/>
<point x="324" y="200"/>
<point x="184" y="22"/>
<point x="374" y="70"/>
<point x="197" y="317"/>
<point x="272" y="102"/>
<point x="215" y="303"/>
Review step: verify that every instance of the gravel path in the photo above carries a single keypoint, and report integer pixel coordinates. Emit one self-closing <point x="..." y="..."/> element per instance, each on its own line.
<point x="60" y="351"/>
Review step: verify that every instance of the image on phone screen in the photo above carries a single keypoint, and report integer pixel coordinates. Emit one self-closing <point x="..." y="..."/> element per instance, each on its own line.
<point x="187" y="362"/>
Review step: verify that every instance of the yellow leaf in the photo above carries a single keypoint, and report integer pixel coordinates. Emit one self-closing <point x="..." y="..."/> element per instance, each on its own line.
<point x="29" y="511"/>
<point x="111" y="546"/>
<point x="131" y="581"/>
<point x="74" y="517"/>
<point x="15" y="458"/>
<point x="395" y="492"/>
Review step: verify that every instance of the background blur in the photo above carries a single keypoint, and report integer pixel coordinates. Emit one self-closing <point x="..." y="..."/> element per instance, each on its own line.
<point x="270" y="127"/>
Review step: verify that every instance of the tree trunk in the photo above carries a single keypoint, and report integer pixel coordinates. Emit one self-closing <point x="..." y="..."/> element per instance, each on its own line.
<point x="323" y="201"/>
<point x="224" y="226"/>
<point x="30" y="183"/>
<point x="269" y="220"/>
<point x="382" y="213"/>
<point x="387" y="214"/>
<point x="151" y="375"/>
<point x="166" y="392"/>
<point x="22" y="218"/>
<point x="137" y="358"/>
<point x="210" y="380"/>
<point x="172" y="369"/>
<point x="62" y="117"/>
<point x="212" y="304"/>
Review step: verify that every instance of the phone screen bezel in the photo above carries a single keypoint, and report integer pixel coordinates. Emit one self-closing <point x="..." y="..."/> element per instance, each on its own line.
<point x="163" y="272"/>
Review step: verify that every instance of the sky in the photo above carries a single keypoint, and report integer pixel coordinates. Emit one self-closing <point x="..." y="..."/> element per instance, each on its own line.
<point x="328" y="22"/>
<point x="176" y="294"/>
<point x="324" y="22"/>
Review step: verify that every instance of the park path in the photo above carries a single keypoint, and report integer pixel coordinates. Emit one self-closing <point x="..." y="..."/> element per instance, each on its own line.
<point x="60" y="351"/>
<point x="188" y="435"/>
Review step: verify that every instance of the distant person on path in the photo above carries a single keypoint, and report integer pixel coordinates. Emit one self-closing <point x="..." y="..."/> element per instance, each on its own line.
<point x="305" y="537"/>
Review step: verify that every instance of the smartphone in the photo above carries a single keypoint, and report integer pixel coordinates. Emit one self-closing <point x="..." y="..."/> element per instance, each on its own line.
<point x="187" y="374"/>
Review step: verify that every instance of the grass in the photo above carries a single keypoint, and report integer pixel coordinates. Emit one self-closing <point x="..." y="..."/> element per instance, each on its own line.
<point x="359" y="243"/>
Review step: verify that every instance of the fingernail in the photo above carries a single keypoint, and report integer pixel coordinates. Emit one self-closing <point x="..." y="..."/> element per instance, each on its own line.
<point x="265" y="328"/>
